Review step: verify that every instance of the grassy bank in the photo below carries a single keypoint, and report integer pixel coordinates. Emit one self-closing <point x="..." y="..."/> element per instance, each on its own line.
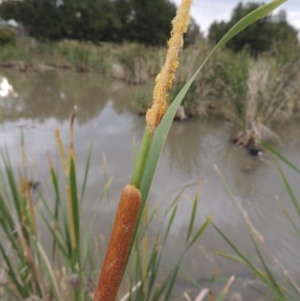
<point x="256" y="94"/>
<point x="133" y="63"/>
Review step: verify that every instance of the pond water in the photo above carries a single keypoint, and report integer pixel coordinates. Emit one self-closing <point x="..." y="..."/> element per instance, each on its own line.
<point x="39" y="103"/>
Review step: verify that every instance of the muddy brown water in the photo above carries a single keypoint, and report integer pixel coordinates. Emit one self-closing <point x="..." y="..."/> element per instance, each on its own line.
<point x="39" y="103"/>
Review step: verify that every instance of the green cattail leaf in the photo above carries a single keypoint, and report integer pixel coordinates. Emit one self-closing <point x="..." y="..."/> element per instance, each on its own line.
<point x="152" y="268"/>
<point x="14" y="191"/>
<point x="87" y="167"/>
<point x="280" y="156"/>
<point x="12" y="275"/>
<point x="199" y="232"/>
<point x="74" y="203"/>
<point x="57" y="194"/>
<point x="57" y="201"/>
<point x="257" y="272"/>
<point x="292" y="222"/>
<point x="228" y="256"/>
<point x="288" y="188"/>
<point x="171" y="220"/>
<point x="56" y="234"/>
<point x="168" y="282"/>
<point x="6" y="218"/>
<point x="271" y="277"/>
<point x="192" y="219"/>
<point x="172" y="281"/>
<point x="57" y="231"/>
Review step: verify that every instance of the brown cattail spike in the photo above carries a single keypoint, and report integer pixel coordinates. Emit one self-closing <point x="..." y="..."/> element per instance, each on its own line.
<point x="119" y="244"/>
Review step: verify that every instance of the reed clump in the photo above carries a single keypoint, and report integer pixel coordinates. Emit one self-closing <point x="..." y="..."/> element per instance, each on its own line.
<point x="130" y="64"/>
<point x="270" y="99"/>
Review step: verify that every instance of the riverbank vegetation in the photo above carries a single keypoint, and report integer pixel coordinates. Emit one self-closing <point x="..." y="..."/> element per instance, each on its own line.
<point x="256" y="93"/>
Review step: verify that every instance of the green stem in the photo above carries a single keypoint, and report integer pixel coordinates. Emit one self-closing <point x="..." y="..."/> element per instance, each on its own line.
<point x="142" y="159"/>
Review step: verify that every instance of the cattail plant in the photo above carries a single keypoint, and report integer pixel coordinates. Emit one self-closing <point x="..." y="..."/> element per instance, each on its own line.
<point x="130" y="200"/>
<point x="134" y="196"/>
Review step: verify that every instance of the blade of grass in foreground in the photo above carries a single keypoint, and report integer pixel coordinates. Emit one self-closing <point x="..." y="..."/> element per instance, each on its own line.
<point x="280" y="156"/>
<point x="280" y="290"/>
<point x="192" y="219"/>
<point x="285" y="181"/>
<point x="225" y="289"/>
<point x="288" y="188"/>
<point x="162" y="131"/>
<point x="87" y="167"/>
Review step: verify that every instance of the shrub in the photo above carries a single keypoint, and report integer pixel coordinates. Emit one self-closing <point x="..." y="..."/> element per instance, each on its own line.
<point x="7" y="36"/>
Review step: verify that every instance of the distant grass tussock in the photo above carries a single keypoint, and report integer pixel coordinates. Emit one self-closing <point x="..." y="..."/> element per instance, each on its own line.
<point x="7" y="36"/>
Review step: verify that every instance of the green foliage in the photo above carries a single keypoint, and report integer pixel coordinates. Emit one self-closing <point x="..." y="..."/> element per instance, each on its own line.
<point x="233" y="72"/>
<point x="151" y="21"/>
<point x="201" y="89"/>
<point x="9" y="53"/>
<point x="90" y="20"/>
<point x="7" y="36"/>
<point x="148" y="282"/>
<point x="80" y="57"/>
<point x="260" y="36"/>
<point x="131" y="59"/>
<point x="43" y="19"/>
<point x="29" y="269"/>
<point x="148" y="22"/>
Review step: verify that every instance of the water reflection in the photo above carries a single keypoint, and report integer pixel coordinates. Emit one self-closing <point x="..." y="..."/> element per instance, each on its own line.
<point x="54" y="94"/>
<point x="6" y="88"/>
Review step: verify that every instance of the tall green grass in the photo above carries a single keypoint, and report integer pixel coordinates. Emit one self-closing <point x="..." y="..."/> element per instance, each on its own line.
<point x="30" y="270"/>
<point x="272" y="279"/>
<point x="66" y="269"/>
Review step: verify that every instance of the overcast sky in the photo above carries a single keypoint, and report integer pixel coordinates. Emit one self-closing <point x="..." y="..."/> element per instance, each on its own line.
<point x="207" y="11"/>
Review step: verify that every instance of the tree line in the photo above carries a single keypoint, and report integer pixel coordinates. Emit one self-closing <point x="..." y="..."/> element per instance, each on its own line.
<point x="144" y="21"/>
<point x="147" y="21"/>
<point x="261" y="36"/>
